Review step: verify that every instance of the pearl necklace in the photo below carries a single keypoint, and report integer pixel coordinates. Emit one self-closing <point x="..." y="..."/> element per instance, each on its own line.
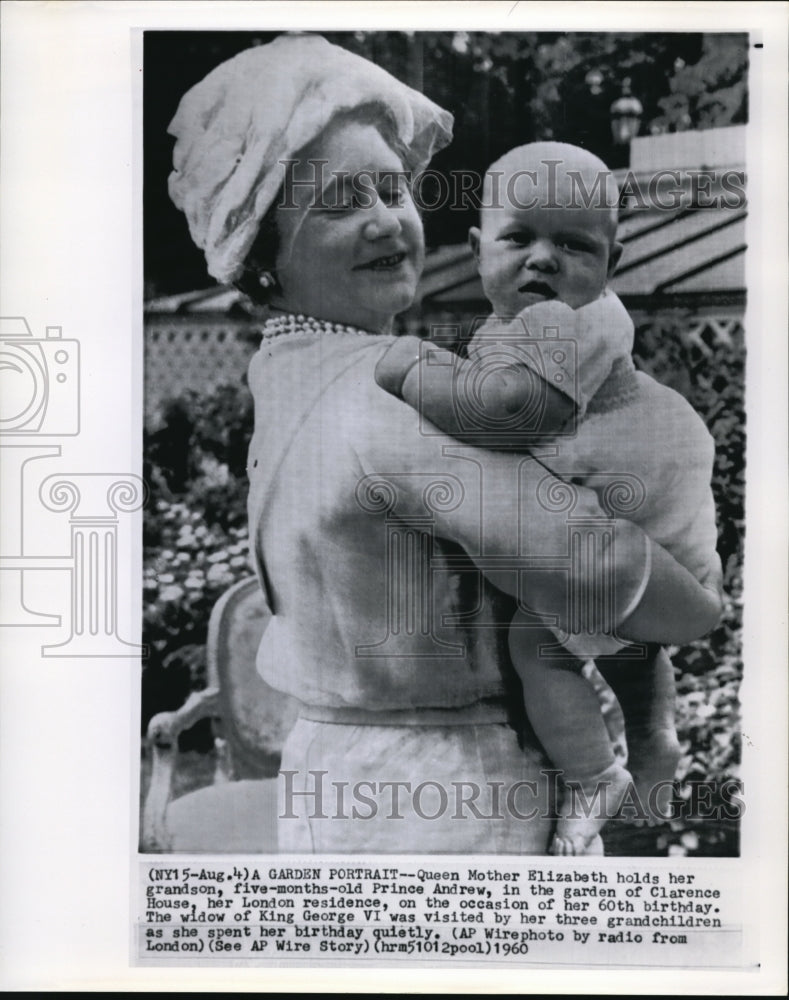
<point x="299" y="325"/>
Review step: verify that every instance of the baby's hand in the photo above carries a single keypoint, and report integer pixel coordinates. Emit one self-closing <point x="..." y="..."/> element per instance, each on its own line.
<point x="395" y="364"/>
<point x="557" y="318"/>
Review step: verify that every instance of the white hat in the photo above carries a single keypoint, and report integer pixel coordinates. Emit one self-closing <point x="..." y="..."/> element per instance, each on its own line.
<point x="263" y="106"/>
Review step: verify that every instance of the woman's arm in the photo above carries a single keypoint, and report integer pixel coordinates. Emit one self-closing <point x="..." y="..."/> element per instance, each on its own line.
<point x="502" y="405"/>
<point x="669" y="606"/>
<point x="526" y="375"/>
<point x="503" y="513"/>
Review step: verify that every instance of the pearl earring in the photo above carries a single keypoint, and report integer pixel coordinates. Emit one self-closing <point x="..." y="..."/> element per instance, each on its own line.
<point x="266" y="279"/>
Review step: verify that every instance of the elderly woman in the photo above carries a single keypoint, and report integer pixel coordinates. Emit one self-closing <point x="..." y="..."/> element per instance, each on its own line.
<point x="371" y="532"/>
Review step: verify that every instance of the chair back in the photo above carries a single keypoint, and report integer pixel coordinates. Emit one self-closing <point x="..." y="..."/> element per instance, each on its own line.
<point x="254" y="718"/>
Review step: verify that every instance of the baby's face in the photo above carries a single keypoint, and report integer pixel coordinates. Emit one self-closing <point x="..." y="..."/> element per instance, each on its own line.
<point x="553" y="249"/>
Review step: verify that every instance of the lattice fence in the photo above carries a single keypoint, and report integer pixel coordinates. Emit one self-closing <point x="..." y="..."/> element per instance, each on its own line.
<point x="184" y="352"/>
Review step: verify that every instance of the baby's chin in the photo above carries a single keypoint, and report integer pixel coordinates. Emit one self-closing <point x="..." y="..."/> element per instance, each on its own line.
<point x="532" y="298"/>
<point x="526" y="299"/>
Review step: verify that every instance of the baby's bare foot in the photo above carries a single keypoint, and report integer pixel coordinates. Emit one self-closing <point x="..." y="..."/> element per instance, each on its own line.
<point x="653" y="763"/>
<point x="586" y="807"/>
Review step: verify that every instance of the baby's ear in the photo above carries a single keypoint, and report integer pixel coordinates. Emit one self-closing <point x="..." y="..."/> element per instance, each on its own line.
<point x="614" y="257"/>
<point x="473" y="241"/>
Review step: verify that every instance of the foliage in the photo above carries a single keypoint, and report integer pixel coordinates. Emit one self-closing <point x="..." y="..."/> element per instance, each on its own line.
<point x="195" y="534"/>
<point x="506" y="89"/>
<point x="710" y="93"/>
<point x="199" y="453"/>
<point x="189" y="564"/>
<point x="537" y="82"/>
<point x="709" y="671"/>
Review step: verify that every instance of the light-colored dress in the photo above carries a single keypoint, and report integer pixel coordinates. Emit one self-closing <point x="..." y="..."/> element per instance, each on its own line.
<point x="362" y="526"/>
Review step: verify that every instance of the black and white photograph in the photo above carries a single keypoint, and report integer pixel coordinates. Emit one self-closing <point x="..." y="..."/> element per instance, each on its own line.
<point x="579" y="201"/>
<point x="394" y="461"/>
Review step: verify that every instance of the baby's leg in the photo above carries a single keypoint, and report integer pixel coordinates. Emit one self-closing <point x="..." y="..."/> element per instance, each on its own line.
<point x="645" y="690"/>
<point x="565" y="714"/>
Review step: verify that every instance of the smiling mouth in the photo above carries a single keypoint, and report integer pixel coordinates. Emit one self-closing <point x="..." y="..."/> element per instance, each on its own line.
<point x="383" y="263"/>
<point x="537" y="288"/>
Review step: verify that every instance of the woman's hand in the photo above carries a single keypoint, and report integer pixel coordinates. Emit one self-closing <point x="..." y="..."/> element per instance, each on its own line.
<point x="674" y="607"/>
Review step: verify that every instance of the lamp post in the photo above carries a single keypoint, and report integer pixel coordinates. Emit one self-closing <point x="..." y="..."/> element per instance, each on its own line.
<point x="594" y="81"/>
<point x="625" y="114"/>
<point x="586" y="118"/>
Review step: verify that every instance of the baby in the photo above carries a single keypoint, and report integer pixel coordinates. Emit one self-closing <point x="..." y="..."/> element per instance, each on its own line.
<point x="545" y="250"/>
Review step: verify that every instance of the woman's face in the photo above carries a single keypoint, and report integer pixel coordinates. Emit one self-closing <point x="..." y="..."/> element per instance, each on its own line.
<point x="352" y="250"/>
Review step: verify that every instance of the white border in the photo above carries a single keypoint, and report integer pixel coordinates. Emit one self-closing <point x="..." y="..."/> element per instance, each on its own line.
<point x="70" y="242"/>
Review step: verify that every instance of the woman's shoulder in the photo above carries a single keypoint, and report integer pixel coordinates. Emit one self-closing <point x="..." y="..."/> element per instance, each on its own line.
<point x="329" y="382"/>
<point x="313" y="358"/>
